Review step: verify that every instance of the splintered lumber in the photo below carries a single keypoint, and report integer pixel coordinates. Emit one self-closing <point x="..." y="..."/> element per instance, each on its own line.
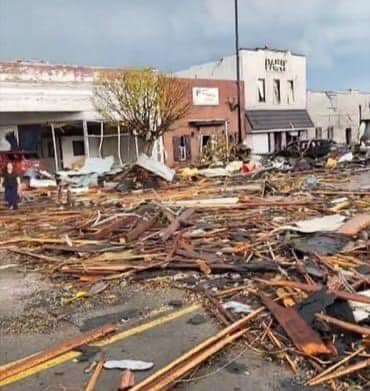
<point x="127" y="381"/>
<point x="141" y="227"/>
<point x="176" y="224"/>
<point x="34" y="255"/>
<point x="302" y="335"/>
<point x="344" y="325"/>
<point x="355" y="225"/>
<point x="146" y="384"/>
<point x="204" y="203"/>
<point x="94" y="378"/>
<point x="314" y="288"/>
<point x="317" y="378"/>
<point x="343" y="372"/>
<point x="56" y="351"/>
<point x="170" y="377"/>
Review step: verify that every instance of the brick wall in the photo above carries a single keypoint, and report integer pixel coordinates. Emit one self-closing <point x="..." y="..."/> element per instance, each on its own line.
<point x="193" y="130"/>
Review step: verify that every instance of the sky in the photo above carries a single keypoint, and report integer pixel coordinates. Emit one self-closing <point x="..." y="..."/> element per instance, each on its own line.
<point x="174" y="34"/>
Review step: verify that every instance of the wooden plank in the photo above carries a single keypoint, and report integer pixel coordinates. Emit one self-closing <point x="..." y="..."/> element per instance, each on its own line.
<point x="141" y="227"/>
<point x="163" y="379"/>
<point x="176" y="224"/>
<point x="355" y="225"/>
<point x="94" y="378"/>
<point x="344" y="325"/>
<point x="314" y="288"/>
<point x="302" y="335"/>
<point x="56" y="350"/>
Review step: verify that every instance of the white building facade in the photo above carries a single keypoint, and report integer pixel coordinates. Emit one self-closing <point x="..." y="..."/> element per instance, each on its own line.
<point x="343" y="116"/>
<point x="274" y="97"/>
<point x="55" y="104"/>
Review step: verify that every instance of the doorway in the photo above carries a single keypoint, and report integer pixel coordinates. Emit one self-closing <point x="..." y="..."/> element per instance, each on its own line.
<point x="277" y="142"/>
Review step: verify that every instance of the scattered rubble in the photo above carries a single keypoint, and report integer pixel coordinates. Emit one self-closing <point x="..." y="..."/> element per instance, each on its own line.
<point x="281" y="265"/>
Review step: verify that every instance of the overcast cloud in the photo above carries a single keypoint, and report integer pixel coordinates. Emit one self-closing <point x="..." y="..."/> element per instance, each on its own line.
<point x="173" y="34"/>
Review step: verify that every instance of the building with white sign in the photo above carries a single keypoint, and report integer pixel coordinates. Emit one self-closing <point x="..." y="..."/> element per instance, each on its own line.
<point x="274" y="94"/>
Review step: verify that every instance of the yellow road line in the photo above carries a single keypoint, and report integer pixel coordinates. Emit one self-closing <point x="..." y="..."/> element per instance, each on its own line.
<point x="107" y="341"/>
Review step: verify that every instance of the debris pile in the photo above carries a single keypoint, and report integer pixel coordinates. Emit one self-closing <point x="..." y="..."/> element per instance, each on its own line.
<point x="281" y="264"/>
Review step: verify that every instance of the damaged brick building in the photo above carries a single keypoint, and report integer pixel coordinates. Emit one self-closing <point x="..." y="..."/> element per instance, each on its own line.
<point x="211" y="121"/>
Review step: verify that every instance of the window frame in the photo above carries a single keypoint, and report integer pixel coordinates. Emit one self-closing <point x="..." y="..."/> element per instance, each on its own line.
<point x="261" y="99"/>
<point x="277" y="98"/>
<point x="330" y="132"/>
<point x="74" y="147"/>
<point x="291" y="92"/>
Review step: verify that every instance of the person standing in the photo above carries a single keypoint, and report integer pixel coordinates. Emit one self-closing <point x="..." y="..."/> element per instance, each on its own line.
<point x="11" y="182"/>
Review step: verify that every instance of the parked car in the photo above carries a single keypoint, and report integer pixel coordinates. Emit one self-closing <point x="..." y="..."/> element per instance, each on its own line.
<point x="23" y="161"/>
<point x="315" y="148"/>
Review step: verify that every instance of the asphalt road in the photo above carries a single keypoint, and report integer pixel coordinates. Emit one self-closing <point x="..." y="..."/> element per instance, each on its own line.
<point x="160" y="344"/>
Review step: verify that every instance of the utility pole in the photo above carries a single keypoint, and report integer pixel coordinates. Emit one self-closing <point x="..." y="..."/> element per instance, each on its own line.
<point x="240" y="135"/>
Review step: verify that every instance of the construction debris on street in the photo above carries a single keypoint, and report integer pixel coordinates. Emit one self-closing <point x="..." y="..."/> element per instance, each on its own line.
<point x="281" y="260"/>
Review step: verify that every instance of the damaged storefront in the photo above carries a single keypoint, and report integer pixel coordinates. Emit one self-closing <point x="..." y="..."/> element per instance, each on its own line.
<point x="272" y="130"/>
<point x="209" y="130"/>
<point x="47" y="116"/>
<point x="274" y="95"/>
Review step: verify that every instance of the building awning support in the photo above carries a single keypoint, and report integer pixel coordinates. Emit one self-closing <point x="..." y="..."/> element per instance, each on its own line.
<point x="54" y="147"/>
<point x="227" y="139"/>
<point x="119" y="144"/>
<point x="86" y="138"/>
<point x="101" y="138"/>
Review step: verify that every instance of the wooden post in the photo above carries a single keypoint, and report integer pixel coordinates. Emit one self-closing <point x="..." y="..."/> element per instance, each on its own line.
<point x="137" y="147"/>
<point x="119" y="143"/>
<point x="227" y="139"/>
<point x="101" y="138"/>
<point x="86" y="138"/>
<point x="54" y="147"/>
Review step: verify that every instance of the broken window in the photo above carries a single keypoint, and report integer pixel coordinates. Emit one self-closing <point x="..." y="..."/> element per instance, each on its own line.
<point x="181" y="148"/>
<point x="261" y="90"/>
<point x="78" y="148"/>
<point x="277" y="96"/>
<point x="318" y="132"/>
<point x="290" y="92"/>
<point x="330" y="133"/>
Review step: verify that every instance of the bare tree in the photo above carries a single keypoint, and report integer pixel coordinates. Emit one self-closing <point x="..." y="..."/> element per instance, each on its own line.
<point x="145" y="102"/>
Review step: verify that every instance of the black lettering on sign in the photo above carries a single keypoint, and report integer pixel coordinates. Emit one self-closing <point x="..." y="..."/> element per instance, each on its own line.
<point x="275" y="65"/>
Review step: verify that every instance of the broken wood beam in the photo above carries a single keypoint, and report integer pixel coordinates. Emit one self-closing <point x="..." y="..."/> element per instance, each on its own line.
<point x="344" y="325"/>
<point x="343" y="372"/>
<point x="314" y="288"/>
<point x="166" y="233"/>
<point x="142" y="226"/>
<point x="315" y="380"/>
<point x="168" y="376"/>
<point x="94" y="378"/>
<point x="355" y="225"/>
<point x="301" y="334"/>
<point x="145" y="384"/>
<point x="56" y="351"/>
